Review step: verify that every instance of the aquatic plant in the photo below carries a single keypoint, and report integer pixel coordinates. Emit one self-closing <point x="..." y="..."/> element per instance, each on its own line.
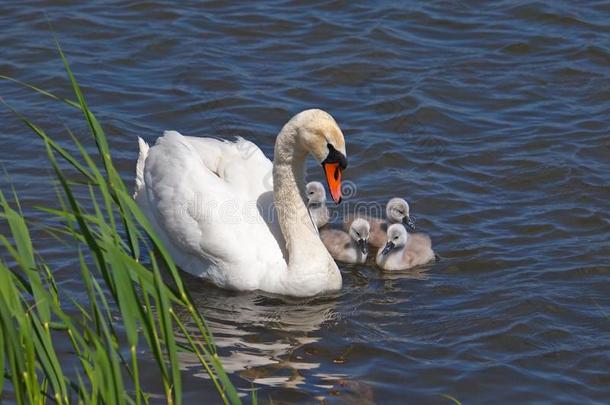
<point x="136" y="304"/>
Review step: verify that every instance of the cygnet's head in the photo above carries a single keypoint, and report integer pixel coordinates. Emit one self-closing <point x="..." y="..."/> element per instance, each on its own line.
<point x="397" y="238"/>
<point x="359" y="232"/>
<point x="397" y="211"/>
<point x="316" y="195"/>
<point x="318" y="133"/>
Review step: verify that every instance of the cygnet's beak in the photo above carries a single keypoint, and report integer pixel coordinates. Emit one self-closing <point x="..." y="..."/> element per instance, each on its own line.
<point x="409" y="223"/>
<point x="388" y="248"/>
<point x="333" y="166"/>
<point x="364" y="247"/>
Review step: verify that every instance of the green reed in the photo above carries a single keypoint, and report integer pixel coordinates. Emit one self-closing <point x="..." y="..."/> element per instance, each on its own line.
<point x="108" y="234"/>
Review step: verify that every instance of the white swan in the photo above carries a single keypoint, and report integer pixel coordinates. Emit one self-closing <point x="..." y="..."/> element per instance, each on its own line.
<point x="403" y="250"/>
<point x="316" y="203"/>
<point x="397" y="211"/>
<point x="228" y="215"/>
<point x="348" y="247"/>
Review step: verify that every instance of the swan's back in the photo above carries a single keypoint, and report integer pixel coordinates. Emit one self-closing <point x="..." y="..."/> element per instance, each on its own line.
<point x="209" y="199"/>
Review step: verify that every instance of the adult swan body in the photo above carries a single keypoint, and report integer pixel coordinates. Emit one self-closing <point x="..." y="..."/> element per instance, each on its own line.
<point x="217" y="206"/>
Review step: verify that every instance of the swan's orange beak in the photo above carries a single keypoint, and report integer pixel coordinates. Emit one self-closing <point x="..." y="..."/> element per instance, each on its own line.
<point x="333" y="165"/>
<point x="333" y="178"/>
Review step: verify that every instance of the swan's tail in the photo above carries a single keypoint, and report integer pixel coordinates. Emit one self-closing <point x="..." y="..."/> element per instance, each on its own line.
<point x="140" y="166"/>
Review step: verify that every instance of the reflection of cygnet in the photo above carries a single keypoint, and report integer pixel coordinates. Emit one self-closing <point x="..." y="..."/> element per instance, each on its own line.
<point x="349" y="247"/>
<point x="403" y="250"/>
<point x="316" y="203"/>
<point x="397" y="211"/>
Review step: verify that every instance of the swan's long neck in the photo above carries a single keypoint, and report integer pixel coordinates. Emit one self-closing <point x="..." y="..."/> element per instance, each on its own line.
<point x="309" y="264"/>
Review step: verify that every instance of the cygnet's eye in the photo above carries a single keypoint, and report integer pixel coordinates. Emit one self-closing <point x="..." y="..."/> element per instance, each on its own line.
<point x="310" y="193"/>
<point x="401" y="212"/>
<point x="395" y="237"/>
<point x="357" y="233"/>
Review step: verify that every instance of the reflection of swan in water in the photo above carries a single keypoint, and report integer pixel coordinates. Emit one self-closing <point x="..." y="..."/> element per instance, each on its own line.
<point x="256" y="333"/>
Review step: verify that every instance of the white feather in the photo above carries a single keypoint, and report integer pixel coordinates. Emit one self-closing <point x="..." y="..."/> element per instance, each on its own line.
<point x="212" y="204"/>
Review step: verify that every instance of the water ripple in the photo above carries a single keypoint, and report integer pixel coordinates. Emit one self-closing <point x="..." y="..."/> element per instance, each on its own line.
<point x="490" y="117"/>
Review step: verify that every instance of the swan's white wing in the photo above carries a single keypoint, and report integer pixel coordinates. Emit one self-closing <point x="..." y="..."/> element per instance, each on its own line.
<point x="203" y="194"/>
<point x="246" y="169"/>
<point x="241" y="164"/>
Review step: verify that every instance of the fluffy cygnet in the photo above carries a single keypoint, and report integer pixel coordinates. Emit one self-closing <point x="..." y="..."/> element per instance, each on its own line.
<point x="403" y="250"/>
<point x="316" y="203"/>
<point x="348" y="247"/>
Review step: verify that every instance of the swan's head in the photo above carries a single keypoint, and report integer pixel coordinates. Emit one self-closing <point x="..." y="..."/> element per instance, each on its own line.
<point x="319" y="134"/>
<point x="316" y="194"/>
<point x="397" y="238"/>
<point x="397" y="211"/>
<point x="359" y="232"/>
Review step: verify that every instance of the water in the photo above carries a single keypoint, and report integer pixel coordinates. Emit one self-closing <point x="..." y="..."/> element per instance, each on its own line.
<point x="490" y="117"/>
